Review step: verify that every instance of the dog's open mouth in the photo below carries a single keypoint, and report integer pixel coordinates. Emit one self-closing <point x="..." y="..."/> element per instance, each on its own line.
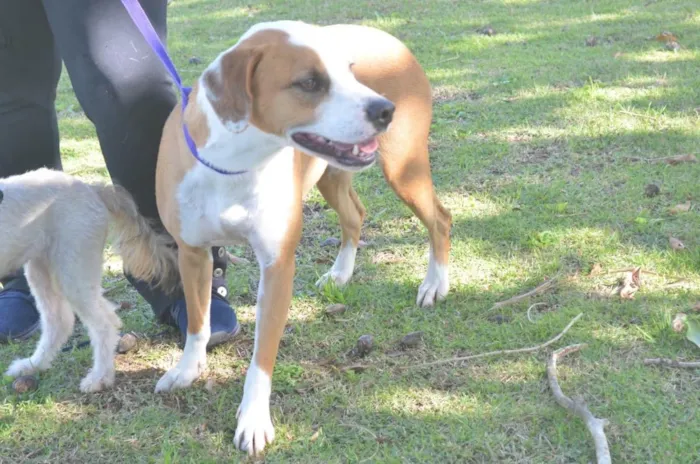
<point x="359" y="154"/>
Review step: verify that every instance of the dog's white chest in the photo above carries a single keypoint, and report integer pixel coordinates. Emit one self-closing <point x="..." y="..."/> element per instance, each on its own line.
<point x="218" y="210"/>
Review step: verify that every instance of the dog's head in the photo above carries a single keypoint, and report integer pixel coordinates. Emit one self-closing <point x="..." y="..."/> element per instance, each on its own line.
<point x="287" y="79"/>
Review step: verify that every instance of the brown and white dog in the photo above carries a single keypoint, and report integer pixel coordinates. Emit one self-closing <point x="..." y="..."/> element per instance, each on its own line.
<point x="294" y="105"/>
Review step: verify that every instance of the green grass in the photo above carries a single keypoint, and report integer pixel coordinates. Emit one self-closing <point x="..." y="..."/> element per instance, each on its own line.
<point x="534" y="142"/>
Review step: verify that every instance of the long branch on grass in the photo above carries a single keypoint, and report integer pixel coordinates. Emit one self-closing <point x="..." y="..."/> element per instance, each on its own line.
<point x="672" y="363"/>
<point x="578" y="406"/>
<point x="500" y="352"/>
<point x="546" y="285"/>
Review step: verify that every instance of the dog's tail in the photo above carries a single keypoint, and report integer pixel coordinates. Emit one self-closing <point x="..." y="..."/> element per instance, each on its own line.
<point x="147" y="255"/>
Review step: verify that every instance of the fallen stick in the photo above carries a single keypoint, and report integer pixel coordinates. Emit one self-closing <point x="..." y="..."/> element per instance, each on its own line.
<point x="578" y="406"/>
<point x="546" y="285"/>
<point x="672" y="363"/>
<point x="529" y="318"/>
<point x="631" y="269"/>
<point x="494" y="353"/>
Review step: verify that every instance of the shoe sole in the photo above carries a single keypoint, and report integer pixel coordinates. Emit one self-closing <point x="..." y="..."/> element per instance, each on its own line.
<point x="23" y="336"/>
<point x="222" y="337"/>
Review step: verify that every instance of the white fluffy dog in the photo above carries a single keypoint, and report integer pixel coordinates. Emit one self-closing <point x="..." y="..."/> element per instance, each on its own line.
<point x="56" y="227"/>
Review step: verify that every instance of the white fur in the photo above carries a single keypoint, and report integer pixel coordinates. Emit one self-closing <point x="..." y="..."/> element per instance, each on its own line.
<point x="343" y="267"/>
<point x="435" y="285"/>
<point x="191" y="364"/>
<point x="254" y="429"/>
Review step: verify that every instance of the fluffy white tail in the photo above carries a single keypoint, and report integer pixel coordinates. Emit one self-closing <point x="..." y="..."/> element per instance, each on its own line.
<point x="147" y="255"/>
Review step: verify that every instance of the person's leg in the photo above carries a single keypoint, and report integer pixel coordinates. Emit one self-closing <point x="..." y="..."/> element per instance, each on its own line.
<point x="30" y="67"/>
<point x="126" y="92"/>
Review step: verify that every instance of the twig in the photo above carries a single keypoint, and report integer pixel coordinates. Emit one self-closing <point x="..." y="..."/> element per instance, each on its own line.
<point x="530" y="309"/>
<point x="639" y="115"/>
<point x="546" y="285"/>
<point x="678" y="283"/>
<point x="672" y="363"/>
<point x="446" y="60"/>
<point x="578" y="406"/>
<point x="499" y="352"/>
<point x="631" y="269"/>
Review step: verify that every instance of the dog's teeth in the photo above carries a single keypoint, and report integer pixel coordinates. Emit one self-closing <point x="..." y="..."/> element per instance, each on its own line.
<point x="355" y="150"/>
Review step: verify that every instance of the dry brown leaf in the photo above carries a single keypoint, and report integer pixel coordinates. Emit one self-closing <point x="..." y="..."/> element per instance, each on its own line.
<point x="678" y="159"/>
<point x="315" y="435"/>
<point x="697" y="307"/>
<point x="630" y="284"/>
<point x="666" y="37"/>
<point x="682" y="208"/>
<point x="336" y="309"/>
<point x="672" y="46"/>
<point x="597" y="269"/>
<point x="678" y="323"/>
<point x="676" y="244"/>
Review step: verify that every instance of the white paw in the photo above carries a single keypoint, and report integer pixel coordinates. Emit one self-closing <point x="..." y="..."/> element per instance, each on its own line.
<point x="331" y="276"/>
<point x="434" y="287"/>
<point x="342" y="269"/>
<point x="254" y="429"/>
<point x="21" y="367"/>
<point x="191" y="365"/>
<point x="96" y="381"/>
<point x="177" y="378"/>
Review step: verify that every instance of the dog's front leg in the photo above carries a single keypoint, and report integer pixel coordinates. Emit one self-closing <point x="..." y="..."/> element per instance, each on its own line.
<point x="195" y="270"/>
<point x="255" y="428"/>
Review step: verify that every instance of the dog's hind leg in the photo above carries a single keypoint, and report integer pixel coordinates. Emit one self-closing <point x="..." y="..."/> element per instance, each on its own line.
<point x="336" y="188"/>
<point x="57" y="319"/>
<point x="80" y="280"/>
<point x="408" y="174"/>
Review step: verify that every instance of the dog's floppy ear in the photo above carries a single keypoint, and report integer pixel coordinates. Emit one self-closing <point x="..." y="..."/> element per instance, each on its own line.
<point x="229" y="85"/>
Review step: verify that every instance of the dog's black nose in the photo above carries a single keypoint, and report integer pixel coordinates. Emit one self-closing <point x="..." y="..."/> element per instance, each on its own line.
<point x="379" y="112"/>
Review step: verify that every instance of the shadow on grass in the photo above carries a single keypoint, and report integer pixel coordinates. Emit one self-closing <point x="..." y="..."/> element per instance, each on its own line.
<point x="497" y="408"/>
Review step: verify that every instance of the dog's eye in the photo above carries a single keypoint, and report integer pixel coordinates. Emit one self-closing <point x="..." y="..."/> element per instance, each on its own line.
<point x="310" y="84"/>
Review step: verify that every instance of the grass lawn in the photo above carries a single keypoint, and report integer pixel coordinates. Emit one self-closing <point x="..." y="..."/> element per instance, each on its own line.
<point x="540" y="144"/>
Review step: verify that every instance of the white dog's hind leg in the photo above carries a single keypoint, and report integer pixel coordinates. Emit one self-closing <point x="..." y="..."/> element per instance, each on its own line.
<point x="103" y="327"/>
<point x="57" y="320"/>
<point x="81" y="282"/>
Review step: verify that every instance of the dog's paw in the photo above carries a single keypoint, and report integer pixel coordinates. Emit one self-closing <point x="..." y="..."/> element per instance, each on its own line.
<point x="190" y="366"/>
<point x="177" y="378"/>
<point x="434" y="287"/>
<point x="337" y="278"/>
<point x="96" y="381"/>
<point x="255" y="429"/>
<point x="342" y="269"/>
<point x="21" y="367"/>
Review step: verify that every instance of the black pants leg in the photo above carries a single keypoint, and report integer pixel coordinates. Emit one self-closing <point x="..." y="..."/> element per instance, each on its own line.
<point x="125" y="92"/>
<point x="30" y="67"/>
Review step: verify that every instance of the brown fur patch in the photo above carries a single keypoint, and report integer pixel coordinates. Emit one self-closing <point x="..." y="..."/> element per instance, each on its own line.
<point x="278" y="283"/>
<point x="257" y="79"/>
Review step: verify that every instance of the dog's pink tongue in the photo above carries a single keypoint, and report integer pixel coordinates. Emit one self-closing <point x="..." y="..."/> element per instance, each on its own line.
<point x="369" y="147"/>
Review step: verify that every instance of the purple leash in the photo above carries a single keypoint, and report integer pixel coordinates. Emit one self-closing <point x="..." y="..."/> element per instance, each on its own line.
<point x="144" y="25"/>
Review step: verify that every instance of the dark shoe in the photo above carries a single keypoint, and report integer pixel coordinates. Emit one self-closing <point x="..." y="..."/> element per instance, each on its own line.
<point x="224" y="324"/>
<point x="19" y="318"/>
